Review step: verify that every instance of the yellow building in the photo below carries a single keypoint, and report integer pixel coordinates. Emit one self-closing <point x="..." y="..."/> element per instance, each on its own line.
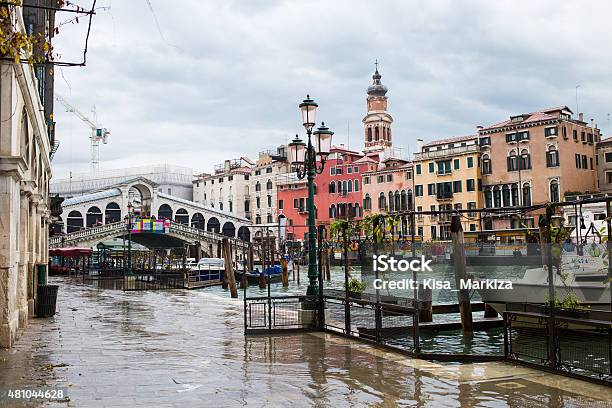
<point x="447" y="177"/>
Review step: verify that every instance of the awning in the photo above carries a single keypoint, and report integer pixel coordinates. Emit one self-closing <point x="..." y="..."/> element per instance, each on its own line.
<point x="70" y="251"/>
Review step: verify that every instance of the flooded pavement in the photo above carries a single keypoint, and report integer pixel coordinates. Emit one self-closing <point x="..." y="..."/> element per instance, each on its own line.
<point x="187" y="349"/>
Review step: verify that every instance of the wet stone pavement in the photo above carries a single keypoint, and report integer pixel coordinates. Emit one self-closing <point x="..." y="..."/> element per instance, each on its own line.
<point x="187" y="349"/>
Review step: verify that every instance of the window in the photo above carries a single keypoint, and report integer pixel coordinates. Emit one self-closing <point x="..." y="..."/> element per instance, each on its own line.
<point x="367" y="202"/>
<point x="496" y="197"/>
<point x="247" y="177"/>
<point x="366" y="180"/>
<point x="296" y="203"/>
<point x="457" y="186"/>
<point x="332" y="171"/>
<point x="258" y="186"/>
<point x="231" y="206"/>
<point x="382" y="202"/>
<point x="431" y="167"/>
<point x="418" y="168"/>
<point x="526" y="195"/>
<point x="221" y="180"/>
<point x="591" y="162"/>
<point x="456" y="164"/>
<point x="356" y="189"/>
<point x="258" y="219"/>
<point x="257" y="172"/>
<point x="506" y="196"/>
<point x="349" y="186"/>
<point x="471" y="206"/>
<point x="389" y="178"/>
<point x="485" y="141"/>
<point x="247" y="206"/>
<point x="578" y="162"/>
<point x="510" y="137"/>
<point x="418" y="190"/>
<point x="486" y="164"/>
<point x="332" y="187"/>
<point x="408" y="175"/>
<point x="470" y="162"/>
<point x="608" y="157"/>
<point x="269" y="185"/>
<point x="522" y="135"/>
<point x="281" y="204"/>
<point x="551" y="131"/>
<point x="269" y="201"/>
<point x="380" y="179"/>
<point x="431" y="189"/>
<point x="444" y="167"/>
<point x="221" y="206"/>
<point x="575" y="132"/>
<point x="349" y="170"/>
<point x="338" y="170"/>
<point x="525" y="160"/>
<point x="583" y="136"/>
<point x="269" y="170"/>
<point x="230" y="178"/>
<point x="433" y="232"/>
<point x="514" y="193"/>
<point x="257" y="202"/>
<point x="470" y="185"/>
<point x="269" y="218"/>
<point x="554" y="191"/>
<point x="488" y="194"/>
<point x="564" y="133"/>
<point x="369" y="134"/>
<point x="609" y="177"/>
<point x="513" y="161"/>
<point x="552" y="157"/>
<point x="584" y="162"/>
<point x="355" y="169"/>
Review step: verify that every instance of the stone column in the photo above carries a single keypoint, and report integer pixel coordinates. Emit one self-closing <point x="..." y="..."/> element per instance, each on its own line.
<point x="22" y="278"/>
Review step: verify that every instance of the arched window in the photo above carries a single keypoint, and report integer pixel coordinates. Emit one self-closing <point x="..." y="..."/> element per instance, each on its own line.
<point x="377" y="133"/>
<point x="488" y="195"/>
<point x="74" y="222"/>
<point x="369" y="134"/>
<point x="164" y="212"/>
<point x="258" y="186"/>
<point x="269" y="200"/>
<point x="367" y="202"/>
<point x="112" y="213"/>
<point x="269" y="219"/>
<point x="515" y="195"/>
<point x="391" y="201"/>
<point x="506" y="195"/>
<point x="344" y="188"/>
<point x="525" y="159"/>
<point x="398" y="202"/>
<point x="512" y="161"/>
<point x="197" y="221"/>
<point x="332" y="187"/>
<point x="93" y="217"/>
<point x="496" y="197"/>
<point x="486" y="164"/>
<point x="552" y="157"/>
<point x="332" y="211"/>
<point x="269" y="185"/>
<point x="526" y="195"/>
<point x="349" y="186"/>
<point x="258" y="219"/>
<point x="356" y="189"/>
<point x="409" y="199"/>
<point x="382" y="201"/>
<point x="339" y="187"/>
<point x="403" y="202"/>
<point x="554" y="191"/>
<point x="357" y="210"/>
<point x="182" y="217"/>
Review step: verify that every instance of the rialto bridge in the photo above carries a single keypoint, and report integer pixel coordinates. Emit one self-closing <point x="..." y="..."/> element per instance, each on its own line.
<point x="94" y="217"/>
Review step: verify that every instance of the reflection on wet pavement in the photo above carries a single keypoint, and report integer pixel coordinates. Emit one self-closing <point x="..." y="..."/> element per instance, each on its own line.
<point x="179" y="348"/>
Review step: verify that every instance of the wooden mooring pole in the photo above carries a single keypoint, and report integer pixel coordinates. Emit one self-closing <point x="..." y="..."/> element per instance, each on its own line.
<point x="229" y="268"/>
<point x="465" y="307"/>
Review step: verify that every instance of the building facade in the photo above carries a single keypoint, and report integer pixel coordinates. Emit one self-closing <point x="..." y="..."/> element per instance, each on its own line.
<point x="535" y="158"/>
<point x="603" y="161"/>
<point x="263" y="190"/>
<point x="227" y="189"/>
<point x="447" y="177"/>
<point x="388" y="186"/>
<point x="25" y="170"/>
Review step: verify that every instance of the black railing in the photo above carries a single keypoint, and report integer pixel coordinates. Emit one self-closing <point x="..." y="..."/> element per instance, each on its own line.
<point x="574" y="345"/>
<point x="266" y="314"/>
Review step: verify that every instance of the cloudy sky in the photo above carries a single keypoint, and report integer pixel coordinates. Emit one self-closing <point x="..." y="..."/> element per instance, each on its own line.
<point x="222" y="79"/>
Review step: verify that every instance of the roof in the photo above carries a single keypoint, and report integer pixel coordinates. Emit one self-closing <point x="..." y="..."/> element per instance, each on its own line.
<point x="345" y="150"/>
<point x="536" y="116"/>
<point x="607" y="140"/>
<point x="98" y="195"/>
<point x="198" y="205"/>
<point x="455" y="139"/>
<point x="365" y="159"/>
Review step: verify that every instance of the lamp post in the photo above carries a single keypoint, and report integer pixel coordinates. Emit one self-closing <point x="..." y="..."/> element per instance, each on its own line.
<point x="309" y="160"/>
<point x="130" y="213"/>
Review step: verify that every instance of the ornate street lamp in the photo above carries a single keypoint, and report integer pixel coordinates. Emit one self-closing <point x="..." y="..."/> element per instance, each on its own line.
<point x="309" y="159"/>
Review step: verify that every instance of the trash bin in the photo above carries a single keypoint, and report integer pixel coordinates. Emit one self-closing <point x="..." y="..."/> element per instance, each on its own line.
<point x="42" y="273"/>
<point x="46" y="300"/>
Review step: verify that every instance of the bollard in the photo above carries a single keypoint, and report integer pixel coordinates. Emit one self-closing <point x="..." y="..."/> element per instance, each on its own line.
<point x="465" y="307"/>
<point x="426" y="309"/>
<point x="229" y="269"/>
<point x="285" y="275"/>
<point x="262" y="281"/>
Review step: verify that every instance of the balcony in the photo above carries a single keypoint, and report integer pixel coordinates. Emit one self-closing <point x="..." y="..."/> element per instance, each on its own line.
<point x="438" y="154"/>
<point x="444" y="195"/>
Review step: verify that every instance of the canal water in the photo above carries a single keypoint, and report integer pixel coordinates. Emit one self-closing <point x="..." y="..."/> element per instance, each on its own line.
<point x="187" y="349"/>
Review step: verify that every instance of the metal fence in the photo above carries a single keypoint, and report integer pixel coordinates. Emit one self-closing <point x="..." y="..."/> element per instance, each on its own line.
<point x="573" y="345"/>
<point x="286" y="313"/>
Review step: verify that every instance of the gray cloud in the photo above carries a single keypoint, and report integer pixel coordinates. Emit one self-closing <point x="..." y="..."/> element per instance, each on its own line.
<point x="228" y="77"/>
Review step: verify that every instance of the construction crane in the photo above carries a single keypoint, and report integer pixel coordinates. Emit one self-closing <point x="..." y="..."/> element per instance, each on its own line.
<point x="98" y="133"/>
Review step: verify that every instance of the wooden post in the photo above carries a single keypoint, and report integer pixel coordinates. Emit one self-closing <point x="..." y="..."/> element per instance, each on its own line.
<point x="285" y="275"/>
<point x="296" y="265"/>
<point x="489" y="311"/>
<point x="465" y="307"/>
<point x="326" y="263"/>
<point x="229" y="268"/>
<point x="250" y="258"/>
<point x="425" y="309"/>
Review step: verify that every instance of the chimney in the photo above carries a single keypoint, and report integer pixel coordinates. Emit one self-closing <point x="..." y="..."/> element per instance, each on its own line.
<point x="419" y="145"/>
<point x="581" y="117"/>
<point x="226" y="165"/>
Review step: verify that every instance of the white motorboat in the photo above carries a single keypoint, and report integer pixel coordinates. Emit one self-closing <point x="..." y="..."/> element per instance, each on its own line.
<point x="208" y="269"/>
<point x="584" y="278"/>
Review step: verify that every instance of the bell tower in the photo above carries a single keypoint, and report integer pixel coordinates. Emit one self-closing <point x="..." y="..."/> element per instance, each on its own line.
<point x="377" y="122"/>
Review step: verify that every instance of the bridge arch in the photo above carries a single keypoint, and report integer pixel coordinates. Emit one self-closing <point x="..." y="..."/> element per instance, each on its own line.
<point x="182" y="216"/>
<point x="74" y="222"/>
<point x="164" y="212"/>
<point x="112" y="213"/>
<point x="229" y="229"/>
<point x="197" y="221"/>
<point x="140" y="192"/>
<point x="93" y="217"/>
<point x="213" y="225"/>
<point x="244" y="233"/>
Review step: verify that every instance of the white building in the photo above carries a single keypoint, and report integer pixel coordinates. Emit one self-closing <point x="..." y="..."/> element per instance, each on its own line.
<point x="227" y="188"/>
<point x="263" y="185"/>
<point x="25" y="170"/>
